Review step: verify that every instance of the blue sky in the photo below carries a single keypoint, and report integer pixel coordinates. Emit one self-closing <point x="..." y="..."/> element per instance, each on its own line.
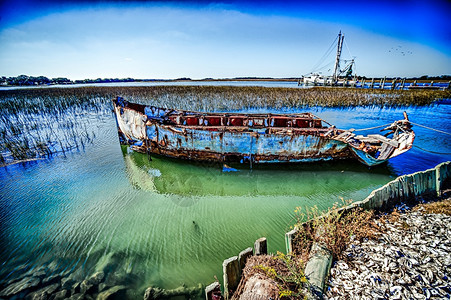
<point x="200" y="39"/>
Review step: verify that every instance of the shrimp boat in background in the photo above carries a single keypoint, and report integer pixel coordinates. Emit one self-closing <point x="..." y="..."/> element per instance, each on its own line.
<point x="340" y="77"/>
<point x="251" y="138"/>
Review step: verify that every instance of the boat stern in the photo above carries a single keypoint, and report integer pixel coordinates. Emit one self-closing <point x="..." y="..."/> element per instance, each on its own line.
<point x="131" y="123"/>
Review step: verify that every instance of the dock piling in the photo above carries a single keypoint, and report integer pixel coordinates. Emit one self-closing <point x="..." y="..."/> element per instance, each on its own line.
<point x="243" y="256"/>
<point x="231" y="271"/>
<point x="289" y="240"/>
<point x="260" y="246"/>
<point x="382" y="85"/>
<point x="212" y="289"/>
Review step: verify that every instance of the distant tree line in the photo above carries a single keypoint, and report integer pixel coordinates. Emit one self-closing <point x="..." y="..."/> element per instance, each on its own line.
<point x="442" y="77"/>
<point x="31" y="80"/>
<point x="102" y="80"/>
<point x="25" y="80"/>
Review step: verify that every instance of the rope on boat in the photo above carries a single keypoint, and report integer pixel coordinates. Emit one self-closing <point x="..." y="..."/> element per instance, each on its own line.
<point x="369" y="128"/>
<point x="434" y="152"/>
<point x="430" y="128"/>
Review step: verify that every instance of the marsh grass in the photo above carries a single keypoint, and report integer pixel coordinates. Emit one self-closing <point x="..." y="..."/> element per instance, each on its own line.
<point x="39" y="122"/>
<point x="226" y="97"/>
<point x="36" y="125"/>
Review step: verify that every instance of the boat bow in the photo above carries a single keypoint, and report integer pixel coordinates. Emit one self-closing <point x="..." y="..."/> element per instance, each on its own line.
<point x="375" y="149"/>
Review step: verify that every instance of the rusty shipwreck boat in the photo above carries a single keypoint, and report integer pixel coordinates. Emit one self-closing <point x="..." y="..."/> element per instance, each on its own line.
<point x="252" y="138"/>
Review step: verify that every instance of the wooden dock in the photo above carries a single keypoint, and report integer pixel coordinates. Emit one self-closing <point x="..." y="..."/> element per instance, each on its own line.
<point x="388" y="84"/>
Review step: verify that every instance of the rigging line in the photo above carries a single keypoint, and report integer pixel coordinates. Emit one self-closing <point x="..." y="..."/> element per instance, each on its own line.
<point x="430" y="128"/>
<point x="346" y="44"/>
<point x="329" y="65"/>
<point x="321" y="61"/>
<point x="369" y="128"/>
<point x="328" y="52"/>
<point x="434" y="152"/>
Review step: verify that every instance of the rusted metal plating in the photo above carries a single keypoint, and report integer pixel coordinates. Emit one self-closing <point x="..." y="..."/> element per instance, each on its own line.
<point x="228" y="137"/>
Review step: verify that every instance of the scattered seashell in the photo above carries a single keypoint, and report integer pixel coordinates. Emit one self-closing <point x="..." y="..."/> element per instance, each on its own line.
<point x="412" y="263"/>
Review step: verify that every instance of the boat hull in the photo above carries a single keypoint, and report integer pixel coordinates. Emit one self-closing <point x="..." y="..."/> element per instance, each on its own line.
<point x="251" y="138"/>
<point x="256" y="147"/>
<point x="216" y="145"/>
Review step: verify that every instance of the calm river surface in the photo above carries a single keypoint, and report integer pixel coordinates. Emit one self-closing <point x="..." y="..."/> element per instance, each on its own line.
<point x="169" y="223"/>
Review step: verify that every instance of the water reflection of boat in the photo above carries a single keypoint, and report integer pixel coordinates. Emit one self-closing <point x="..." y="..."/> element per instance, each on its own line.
<point x="182" y="178"/>
<point x="251" y="138"/>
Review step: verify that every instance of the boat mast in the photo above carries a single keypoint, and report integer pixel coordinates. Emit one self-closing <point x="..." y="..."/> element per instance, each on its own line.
<point x="337" y="60"/>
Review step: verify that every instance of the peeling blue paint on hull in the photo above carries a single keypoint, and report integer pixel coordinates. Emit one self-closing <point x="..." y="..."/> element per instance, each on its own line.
<point x="242" y="146"/>
<point x="366" y="158"/>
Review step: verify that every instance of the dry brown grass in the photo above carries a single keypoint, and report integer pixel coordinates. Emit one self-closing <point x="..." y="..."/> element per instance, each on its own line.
<point x="236" y="97"/>
<point x="336" y="229"/>
<point x="439" y="207"/>
<point x="283" y="271"/>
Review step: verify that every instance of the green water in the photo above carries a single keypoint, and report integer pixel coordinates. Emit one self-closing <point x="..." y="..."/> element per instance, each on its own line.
<point x="162" y="222"/>
<point x="166" y="222"/>
<point x="206" y="215"/>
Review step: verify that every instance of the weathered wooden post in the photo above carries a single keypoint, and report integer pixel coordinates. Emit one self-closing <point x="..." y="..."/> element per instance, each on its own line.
<point x="449" y="84"/>
<point x="289" y="238"/>
<point x="403" y="83"/>
<point x="383" y="82"/>
<point x="212" y="289"/>
<point x="363" y="84"/>
<point x="372" y="83"/>
<point x="442" y="174"/>
<point x="260" y="246"/>
<point x="318" y="266"/>
<point x="243" y="257"/>
<point x="432" y="82"/>
<point x="231" y="273"/>
<point x="393" y="84"/>
<point x="438" y="179"/>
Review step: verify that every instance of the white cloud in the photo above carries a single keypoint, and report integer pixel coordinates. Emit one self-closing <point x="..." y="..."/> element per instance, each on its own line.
<point x="164" y="42"/>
